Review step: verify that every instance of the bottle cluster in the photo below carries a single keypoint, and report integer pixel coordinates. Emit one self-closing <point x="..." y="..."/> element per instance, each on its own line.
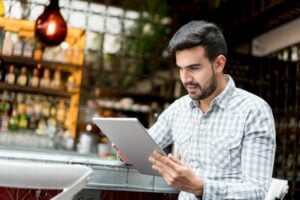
<point x="15" y="44"/>
<point x="43" y="115"/>
<point x="36" y="77"/>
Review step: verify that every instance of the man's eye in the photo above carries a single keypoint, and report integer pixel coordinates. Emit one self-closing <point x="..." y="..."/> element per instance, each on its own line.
<point x="194" y="67"/>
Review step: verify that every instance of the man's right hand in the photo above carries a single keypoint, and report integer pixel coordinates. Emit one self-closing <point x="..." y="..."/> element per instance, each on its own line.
<point x="121" y="156"/>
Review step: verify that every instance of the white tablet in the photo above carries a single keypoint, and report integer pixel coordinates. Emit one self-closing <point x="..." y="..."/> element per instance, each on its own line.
<point x="130" y="136"/>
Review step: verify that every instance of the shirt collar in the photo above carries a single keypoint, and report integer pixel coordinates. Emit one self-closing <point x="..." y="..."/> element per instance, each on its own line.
<point x="223" y="98"/>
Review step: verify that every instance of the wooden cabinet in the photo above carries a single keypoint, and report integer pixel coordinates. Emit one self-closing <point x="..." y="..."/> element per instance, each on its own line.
<point x="21" y="51"/>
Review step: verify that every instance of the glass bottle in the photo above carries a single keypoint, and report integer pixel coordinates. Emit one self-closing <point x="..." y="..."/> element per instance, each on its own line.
<point x="10" y="76"/>
<point x="13" y="120"/>
<point x="22" y="78"/>
<point x="45" y="80"/>
<point x="61" y="112"/>
<point x="7" y="47"/>
<point x="34" y="80"/>
<point x="28" y="48"/>
<point x="23" y="120"/>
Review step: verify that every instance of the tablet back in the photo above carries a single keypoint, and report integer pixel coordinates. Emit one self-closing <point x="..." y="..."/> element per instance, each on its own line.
<point x="130" y="136"/>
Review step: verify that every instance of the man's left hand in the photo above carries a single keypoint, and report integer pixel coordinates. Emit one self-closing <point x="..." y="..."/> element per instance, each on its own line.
<point x="176" y="173"/>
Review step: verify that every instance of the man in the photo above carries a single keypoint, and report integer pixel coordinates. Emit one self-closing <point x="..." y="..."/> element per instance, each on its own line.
<point x="225" y="135"/>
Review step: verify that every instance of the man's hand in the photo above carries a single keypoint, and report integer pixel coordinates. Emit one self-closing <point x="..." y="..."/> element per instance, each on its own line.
<point x="122" y="157"/>
<point x="176" y="173"/>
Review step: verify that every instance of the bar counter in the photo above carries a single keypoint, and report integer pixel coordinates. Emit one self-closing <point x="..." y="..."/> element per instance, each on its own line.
<point x="107" y="174"/>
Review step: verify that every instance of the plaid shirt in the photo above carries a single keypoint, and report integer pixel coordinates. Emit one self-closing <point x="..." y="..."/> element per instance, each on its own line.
<point x="231" y="147"/>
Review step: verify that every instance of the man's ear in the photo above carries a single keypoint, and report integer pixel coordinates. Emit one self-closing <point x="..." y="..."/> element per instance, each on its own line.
<point x="220" y="63"/>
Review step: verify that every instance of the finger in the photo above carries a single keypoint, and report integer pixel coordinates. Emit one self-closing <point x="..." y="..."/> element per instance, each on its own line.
<point x="166" y="162"/>
<point x="175" y="160"/>
<point x="157" y="164"/>
<point x="157" y="156"/>
<point x="163" y="165"/>
<point x="172" y="180"/>
<point x="157" y="168"/>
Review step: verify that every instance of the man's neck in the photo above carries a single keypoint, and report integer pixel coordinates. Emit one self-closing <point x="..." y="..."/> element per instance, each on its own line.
<point x="205" y="104"/>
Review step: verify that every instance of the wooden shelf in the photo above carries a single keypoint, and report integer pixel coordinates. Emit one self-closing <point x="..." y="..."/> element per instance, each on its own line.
<point x="34" y="90"/>
<point x="31" y="62"/>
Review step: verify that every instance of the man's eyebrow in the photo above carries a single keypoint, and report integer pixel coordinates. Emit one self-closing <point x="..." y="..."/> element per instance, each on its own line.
<point x="191" y="65"/>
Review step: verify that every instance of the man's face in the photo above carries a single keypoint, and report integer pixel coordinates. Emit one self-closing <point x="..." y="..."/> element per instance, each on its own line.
<point x="196" y="72"/>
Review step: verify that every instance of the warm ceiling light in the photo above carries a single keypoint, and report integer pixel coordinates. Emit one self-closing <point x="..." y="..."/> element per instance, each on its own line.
<point x="50" y="26"/>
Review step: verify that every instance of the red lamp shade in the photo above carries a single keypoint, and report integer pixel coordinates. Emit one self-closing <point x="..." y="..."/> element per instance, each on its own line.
<point x="50" y="26"/>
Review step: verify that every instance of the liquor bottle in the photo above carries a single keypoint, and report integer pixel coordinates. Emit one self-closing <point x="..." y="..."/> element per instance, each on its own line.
<point x="41" y="126"/>
<point x="23" y="121"/>
<point x="34" y="80"/>
<point x="12" y="102"/>
<point x="7" y="47"/>
<point x="5" y="104"/>
<point x="61" y="112"/>
<point x="104" y="147"/>
<point x="18" y="46"/>
<point x="32" y="122"/>
<point x="21" y="105"/>
<point x="4" y="121"/>
<point x="56" y="82"/>
<point x="71" y="84"/>
<point x="30" y="113"/>
<point x="67" y="121"/>
<point x="51" y="121"/>
<point x="38" y="51"/>
<point x="22" y="78"/>
<point x="4" y="109"/>
<point x="13" y="120"/>
<point x="37" y="108"/>
<point x="10" y="76"/>
<point x="45" y="80"/>
<point x="53" y="107"/>
<point x="28" y="48"/>
<point x="45" y="108"/>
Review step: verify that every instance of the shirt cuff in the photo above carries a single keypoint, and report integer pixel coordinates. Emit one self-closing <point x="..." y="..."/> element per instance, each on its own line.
<point x="213" y="189"/>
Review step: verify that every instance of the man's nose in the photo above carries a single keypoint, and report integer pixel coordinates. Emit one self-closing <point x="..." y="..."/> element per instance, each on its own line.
<point x="186" y="76"/>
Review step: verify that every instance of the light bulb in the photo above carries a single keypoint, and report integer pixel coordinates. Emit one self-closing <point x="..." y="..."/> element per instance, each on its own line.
<point x="50" y="26"/>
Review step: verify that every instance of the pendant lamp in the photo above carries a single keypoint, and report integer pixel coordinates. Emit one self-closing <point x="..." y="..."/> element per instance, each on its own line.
<point x="50" y="26"/>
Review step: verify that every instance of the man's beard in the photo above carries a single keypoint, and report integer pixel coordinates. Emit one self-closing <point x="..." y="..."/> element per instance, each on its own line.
<point x="204" y="92"/>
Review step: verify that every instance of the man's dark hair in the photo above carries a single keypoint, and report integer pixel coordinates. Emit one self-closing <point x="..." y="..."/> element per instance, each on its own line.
<point x="199" y="33"/>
